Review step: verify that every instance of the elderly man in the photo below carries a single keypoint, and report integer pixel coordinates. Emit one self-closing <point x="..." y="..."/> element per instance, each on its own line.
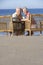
<point x="16" y="17"/>
<point x="17" y="14"/>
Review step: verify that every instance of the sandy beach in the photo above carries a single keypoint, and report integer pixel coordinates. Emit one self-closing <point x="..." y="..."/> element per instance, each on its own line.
<point x="21" y="50"/>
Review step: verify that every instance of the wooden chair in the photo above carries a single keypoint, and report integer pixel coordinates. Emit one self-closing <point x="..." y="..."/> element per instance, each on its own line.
<point x="6" y="24"/>
<point x="3" y="26"/>
<point x="41" y="24"/>
<point x="28" y="25"/>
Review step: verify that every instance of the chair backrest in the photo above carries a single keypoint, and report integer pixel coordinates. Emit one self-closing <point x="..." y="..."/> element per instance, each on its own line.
<point x="3" y="26"/>
<point x="4" y="22"/>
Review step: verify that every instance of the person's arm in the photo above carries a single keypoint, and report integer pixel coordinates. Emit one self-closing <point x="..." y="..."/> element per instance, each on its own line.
<point x="13" y="15"/>
<point x="28" y="16"/>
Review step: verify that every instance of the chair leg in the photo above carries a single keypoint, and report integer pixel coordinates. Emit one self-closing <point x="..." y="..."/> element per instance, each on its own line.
<point x="30" y="32"/>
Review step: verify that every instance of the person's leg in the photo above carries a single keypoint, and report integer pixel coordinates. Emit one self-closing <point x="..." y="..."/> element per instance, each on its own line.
<point x="33" y="26"/>
<point x="10" y="33"/>
<point x="31" y="32"/>
<point x="26" y="33"/>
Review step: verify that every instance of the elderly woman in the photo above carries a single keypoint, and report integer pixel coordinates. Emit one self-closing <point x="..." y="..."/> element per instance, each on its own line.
<point x="27" y="16"/>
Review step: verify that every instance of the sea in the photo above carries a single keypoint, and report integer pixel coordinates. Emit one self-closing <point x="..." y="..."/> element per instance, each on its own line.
<point x="4" y="12"/>
<point x="11" y="11"/>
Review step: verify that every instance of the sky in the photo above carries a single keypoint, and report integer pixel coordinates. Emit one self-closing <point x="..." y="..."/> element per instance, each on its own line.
<point x="12" y="4"/>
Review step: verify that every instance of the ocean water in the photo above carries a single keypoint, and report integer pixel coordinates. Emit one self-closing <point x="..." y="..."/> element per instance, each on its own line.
<point x="11" y="11"/>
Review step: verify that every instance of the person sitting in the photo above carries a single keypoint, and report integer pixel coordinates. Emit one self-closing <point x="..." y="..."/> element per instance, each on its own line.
<point x="16" y="17"/>
<point x="27" y="16"/>
<point x="17" y="14"/>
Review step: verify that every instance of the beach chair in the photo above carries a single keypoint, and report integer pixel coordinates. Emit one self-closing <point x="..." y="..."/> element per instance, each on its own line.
<point x="41" y="23"/>
<point x="41" y="26"/>
<point x="28" y="25"/>
<point x="5" y="24"/>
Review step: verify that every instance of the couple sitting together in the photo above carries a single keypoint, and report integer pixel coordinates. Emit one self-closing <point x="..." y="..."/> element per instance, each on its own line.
<point x="21" y="14"/>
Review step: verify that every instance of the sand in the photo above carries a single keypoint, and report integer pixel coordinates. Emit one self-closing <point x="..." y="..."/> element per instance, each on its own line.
<point x="21" y="50"/>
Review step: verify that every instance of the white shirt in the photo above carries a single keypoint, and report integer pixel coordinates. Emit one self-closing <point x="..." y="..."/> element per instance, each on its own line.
<point x="14" y="14"/>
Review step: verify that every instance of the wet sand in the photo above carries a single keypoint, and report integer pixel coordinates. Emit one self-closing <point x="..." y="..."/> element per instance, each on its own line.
<point x="21" y="50"/>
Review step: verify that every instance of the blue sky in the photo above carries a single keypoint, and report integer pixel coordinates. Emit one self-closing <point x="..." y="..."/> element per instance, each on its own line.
<point x="11" y="4"/>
